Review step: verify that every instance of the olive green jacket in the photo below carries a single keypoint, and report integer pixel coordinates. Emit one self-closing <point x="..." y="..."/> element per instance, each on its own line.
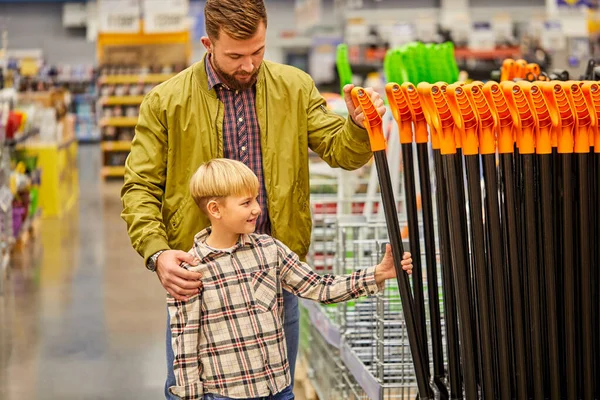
<point x="180" y="127"/>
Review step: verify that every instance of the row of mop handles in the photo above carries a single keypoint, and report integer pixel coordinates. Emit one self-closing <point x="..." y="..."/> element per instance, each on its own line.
<point x="493" y="117"/>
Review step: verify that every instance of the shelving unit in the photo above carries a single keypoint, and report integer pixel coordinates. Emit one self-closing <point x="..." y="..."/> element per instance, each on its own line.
<point x="131" y="65"/>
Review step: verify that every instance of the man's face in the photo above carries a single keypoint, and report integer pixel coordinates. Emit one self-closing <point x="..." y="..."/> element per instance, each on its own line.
<point x="237" y="61"/>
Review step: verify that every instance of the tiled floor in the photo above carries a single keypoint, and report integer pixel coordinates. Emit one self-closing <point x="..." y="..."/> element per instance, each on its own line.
<point x="80" y="317"/>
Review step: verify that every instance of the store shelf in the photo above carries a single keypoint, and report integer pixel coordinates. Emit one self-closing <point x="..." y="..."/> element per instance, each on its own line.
<point x="499" y="53"/>
<point x="116" y="146"/>
<point x="132" y="79"/>
<point x="113" y="171"/>
<point x="121" y="100"/>
<point x="119" y="121"/>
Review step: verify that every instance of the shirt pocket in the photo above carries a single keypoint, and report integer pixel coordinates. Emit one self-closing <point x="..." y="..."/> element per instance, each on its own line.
<point x="264" y="289"/>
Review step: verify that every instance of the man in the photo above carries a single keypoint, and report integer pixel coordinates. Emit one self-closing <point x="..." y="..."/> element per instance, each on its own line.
<point x="233" y="105"/>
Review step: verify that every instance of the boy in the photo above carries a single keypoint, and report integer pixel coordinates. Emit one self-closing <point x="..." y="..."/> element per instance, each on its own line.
<point x="228" y="341"/>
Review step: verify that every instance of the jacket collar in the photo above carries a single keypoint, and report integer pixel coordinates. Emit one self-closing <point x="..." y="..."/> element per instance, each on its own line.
<point x="205" y="252"/>
<point x="201" y="78"/>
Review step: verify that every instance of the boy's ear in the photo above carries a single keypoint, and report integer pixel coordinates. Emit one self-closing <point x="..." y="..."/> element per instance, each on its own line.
<point x="213" y="209"/>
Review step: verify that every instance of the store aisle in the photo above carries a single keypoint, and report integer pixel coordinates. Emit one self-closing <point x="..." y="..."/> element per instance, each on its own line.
<point x="80" y="317"/>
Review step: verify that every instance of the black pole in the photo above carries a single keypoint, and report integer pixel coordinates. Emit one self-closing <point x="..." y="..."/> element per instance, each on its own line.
<point x="481" y="277"/>
<point x="498" y="273"/>
<point x="460" y="188"/>
<point x="548" y="247"/>
<point x="393" y="227"/>
<point x="585" y="270"/>
<point x="533" y="276"/>
<point x="415" y="246"/>
<point x="569" y="276"/>
<point x="448" y="288"/>
<point x="461" y="275"/>
<point x="432" y="278"/>
<point x="514" y="266"/>
<point x="360" y="98"/>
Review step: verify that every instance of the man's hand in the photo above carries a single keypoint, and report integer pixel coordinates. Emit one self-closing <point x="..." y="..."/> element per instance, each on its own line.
<point x="356" y="113"/>
<point x="385" y="270"/>
<point x="178" y="281"/>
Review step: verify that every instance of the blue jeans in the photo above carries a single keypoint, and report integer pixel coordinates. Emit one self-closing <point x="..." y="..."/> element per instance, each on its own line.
<point x="291" y="327"/>
<point x="285" y="394"/>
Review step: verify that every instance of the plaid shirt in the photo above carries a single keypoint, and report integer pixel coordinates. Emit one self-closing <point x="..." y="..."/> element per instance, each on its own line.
<point x="229" y="339"/>
<point x="241" y="135"/>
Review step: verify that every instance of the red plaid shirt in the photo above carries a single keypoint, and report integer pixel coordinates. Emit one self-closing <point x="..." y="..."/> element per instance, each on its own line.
<point x="241" y="135"/>
<point x="229" y="339"/>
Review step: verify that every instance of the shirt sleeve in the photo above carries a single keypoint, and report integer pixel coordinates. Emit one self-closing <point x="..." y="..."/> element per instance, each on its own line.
<point x="185" y="322"/>
<point x="299" y="278"/>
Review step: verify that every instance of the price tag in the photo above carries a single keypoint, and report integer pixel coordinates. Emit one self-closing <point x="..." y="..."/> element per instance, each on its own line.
<point x="119" y="16"/>
<point x="163" y="16"/>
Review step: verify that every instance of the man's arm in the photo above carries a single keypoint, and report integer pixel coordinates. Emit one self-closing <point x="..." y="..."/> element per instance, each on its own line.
<point x="145" y="174"/>
<point x="339" y="141"/>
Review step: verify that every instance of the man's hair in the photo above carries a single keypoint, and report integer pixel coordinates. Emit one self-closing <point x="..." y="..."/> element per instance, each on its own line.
<point x="219" y="178"/>
<point x="237" y="18"/>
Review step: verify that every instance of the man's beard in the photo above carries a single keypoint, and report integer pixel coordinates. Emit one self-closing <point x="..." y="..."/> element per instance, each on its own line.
<point x="230" y="80"/>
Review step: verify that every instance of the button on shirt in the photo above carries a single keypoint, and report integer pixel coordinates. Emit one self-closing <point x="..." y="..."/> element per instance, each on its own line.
<point x="241" y="135"/>
<point x="229" y="339"/>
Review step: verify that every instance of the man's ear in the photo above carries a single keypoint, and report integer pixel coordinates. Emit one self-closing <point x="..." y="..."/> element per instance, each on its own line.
<point x="206" y="42"/>
<point x="214" y="210"/>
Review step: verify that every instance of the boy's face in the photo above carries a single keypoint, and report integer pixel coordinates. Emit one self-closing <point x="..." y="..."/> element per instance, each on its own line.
<point x="240" y="214"/>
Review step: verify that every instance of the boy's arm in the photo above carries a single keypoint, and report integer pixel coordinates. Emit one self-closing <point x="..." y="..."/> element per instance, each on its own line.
<point x="301" y="280"/>
<point x="185" y="320"/>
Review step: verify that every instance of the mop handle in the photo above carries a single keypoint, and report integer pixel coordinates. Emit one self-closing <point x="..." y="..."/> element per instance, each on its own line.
<point x="591" y="91"/>
<point x="414" y="103"/>
<point x="401" y="111"/>
<point x="465" y="118"/>
<point x="543" y="140"/>
<point x="373" y="122"/>
<point x="526" y="134"/>
<point x="508" y="119"/>
<point x="486" y="116"/>
<point x="583" y="115"/>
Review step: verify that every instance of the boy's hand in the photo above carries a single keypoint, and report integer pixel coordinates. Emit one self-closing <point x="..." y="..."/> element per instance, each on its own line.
<point x="385" y="270"/>
<point x="178" y="281"/>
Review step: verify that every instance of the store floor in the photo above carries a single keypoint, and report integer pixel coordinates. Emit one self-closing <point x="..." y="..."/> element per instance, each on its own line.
<point x="80" y="317"/>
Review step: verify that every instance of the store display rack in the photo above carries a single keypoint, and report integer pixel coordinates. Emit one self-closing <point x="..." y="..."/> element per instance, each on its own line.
<point x="131" y="65"/>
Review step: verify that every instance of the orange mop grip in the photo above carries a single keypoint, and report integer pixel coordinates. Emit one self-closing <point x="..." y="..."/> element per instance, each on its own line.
<point x="465" y="118"/>
<point x="401" y="111"/>
<point x="414" y="102"/>
<point x="582" y="115"/>
<point x="543" y="142"/>
<point x="591" y="91"/>
<point x="433" y="120"/>
<point x="526" y="133"/>
<point x="373" y="122"/>
<point x="486" y="117"/>
<point x="446" y="120"/>
<point x="507" y="119"/>
<point x="567" y="116"/>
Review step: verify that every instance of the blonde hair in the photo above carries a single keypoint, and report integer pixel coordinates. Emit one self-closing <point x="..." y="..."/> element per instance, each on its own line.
<point x="239" y="19"/>
<point x="222" y="177"/>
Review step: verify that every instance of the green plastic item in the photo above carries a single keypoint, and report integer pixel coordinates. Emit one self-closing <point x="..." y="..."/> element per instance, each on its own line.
<point x="343" y="66"/>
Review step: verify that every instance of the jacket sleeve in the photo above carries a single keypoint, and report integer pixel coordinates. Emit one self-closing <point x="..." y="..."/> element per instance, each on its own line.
<point x="337" y="140"/>
<point x="302" y="281"/>
<point x="143" y="190"/>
